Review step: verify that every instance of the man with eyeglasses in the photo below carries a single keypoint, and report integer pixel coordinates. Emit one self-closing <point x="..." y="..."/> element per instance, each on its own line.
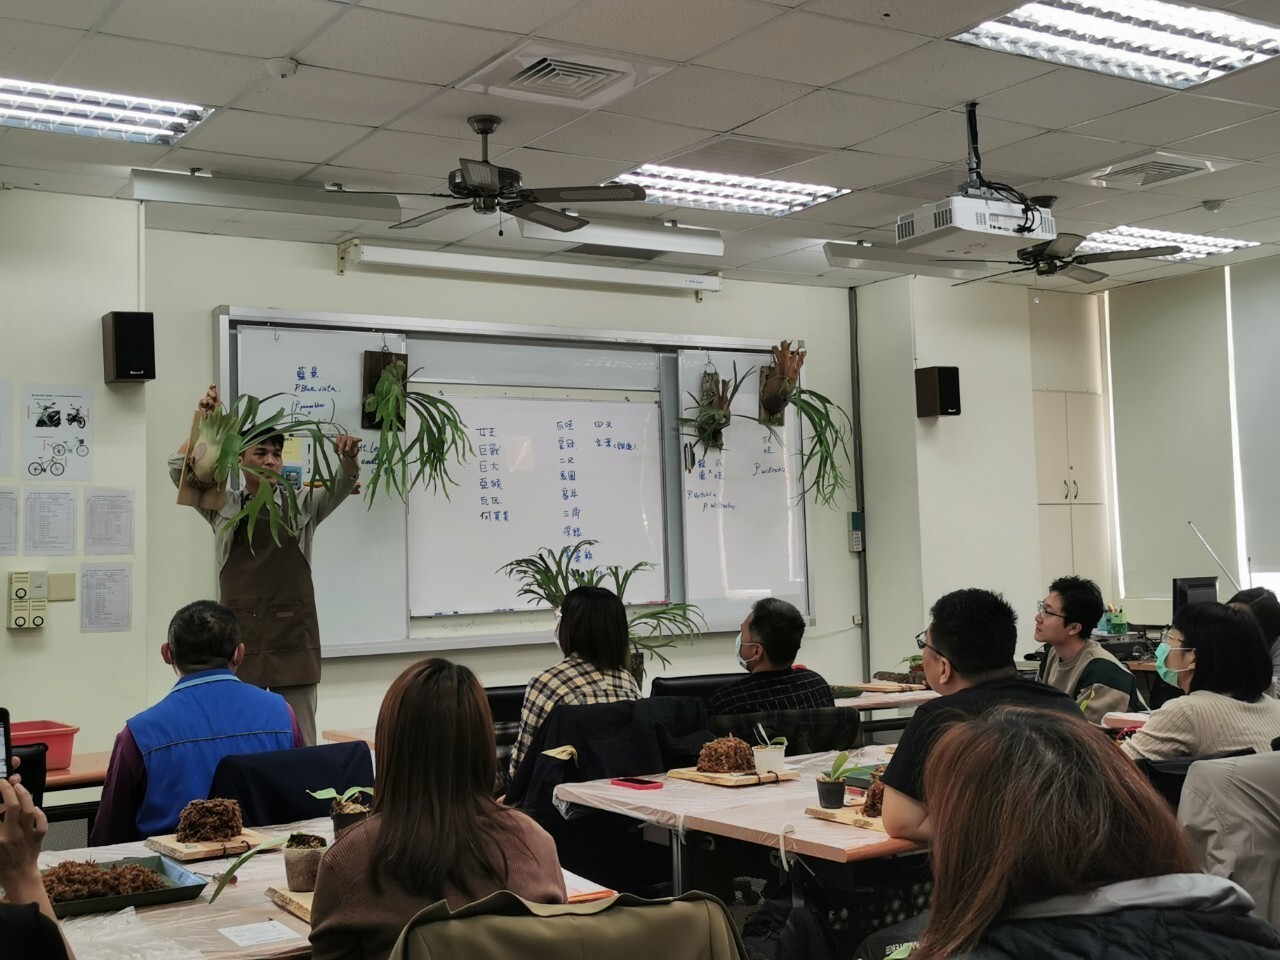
<point x="1074" y="662"/>
<point x="968" y="658"/>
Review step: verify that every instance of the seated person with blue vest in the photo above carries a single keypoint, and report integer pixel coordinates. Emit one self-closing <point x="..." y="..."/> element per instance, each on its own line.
<point x="766" y="646"/>
<point x="165" y="756"/>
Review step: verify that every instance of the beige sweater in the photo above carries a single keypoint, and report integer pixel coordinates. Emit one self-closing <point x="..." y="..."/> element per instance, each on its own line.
<point x="350" y="920"/>
<point x="1206" y="722"/>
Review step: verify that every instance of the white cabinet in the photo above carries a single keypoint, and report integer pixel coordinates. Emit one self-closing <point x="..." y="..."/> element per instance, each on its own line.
<point x="1069" y="447"/>
<point x="1074" y="538"/>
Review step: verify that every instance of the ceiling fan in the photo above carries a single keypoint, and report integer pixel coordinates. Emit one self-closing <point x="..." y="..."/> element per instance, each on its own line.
<point x="1047" y="258"/>
<point x="487" y="188"/>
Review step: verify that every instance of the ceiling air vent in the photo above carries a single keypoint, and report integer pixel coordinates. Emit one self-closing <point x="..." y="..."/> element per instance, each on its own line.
<point x="557" y="73"/>
<point x="1153" y="169"/>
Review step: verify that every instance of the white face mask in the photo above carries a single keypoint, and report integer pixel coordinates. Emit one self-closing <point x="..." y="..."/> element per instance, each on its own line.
<point x="737" y="652"/>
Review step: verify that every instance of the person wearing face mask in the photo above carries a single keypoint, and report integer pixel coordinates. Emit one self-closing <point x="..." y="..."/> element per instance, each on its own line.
<point x="591" y="632"/>
<point x="766" y="647"/>
<point x="165" y="756"/>
<point x="1216" y="654"/>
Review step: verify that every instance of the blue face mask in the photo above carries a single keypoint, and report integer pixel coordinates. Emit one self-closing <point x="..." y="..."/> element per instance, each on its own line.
<point x="1167" y="673"/>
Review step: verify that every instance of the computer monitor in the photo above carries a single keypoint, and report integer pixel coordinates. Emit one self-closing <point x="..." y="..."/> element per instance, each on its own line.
<point x="1193" y="590"/>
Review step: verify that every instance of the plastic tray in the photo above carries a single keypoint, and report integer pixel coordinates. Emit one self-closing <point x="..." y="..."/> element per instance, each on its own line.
<point x="58" y="736"/>
<point x="181" y="884"/>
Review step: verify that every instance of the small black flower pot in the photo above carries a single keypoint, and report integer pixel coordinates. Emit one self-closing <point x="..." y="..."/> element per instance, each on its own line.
<point x="831" y="795"/>
<point x="341" y="821"/>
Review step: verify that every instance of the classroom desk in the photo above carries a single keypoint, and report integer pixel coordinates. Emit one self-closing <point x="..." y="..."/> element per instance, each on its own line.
<point x="1142" y="666"/>
<point x="888" y="701"/>
<point x="349" y="736"/>
<point x="86" y="770"/>
<point x="190" y="930"/>
<point x="771" y="815"/>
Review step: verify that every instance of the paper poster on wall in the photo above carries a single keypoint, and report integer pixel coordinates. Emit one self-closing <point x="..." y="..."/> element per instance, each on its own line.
<point x="50" y="521"/>
<point x="105" y="599"/>
<point x="8" y="521"/>
<point x="57" y="431"/>
<point x="7" y="434"/>
<point x="108" y="520"/>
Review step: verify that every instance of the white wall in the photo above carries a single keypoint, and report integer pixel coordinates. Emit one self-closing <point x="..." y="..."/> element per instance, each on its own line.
<point x="952" y="499"/>
<point x="64" y="262"/>
<point x="190" y="274"/>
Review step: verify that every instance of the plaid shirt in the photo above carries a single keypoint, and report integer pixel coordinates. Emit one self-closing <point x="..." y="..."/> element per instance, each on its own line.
<point x="573" y="681"/>
<point x="787" y="689"/>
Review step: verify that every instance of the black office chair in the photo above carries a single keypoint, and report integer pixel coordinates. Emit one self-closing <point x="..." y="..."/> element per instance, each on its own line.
<point x="505" y="703"/>
<point x="701" y="687"/>
<point x="33" y="769"/>
<point x="814" y="730"/>
<point x="272" y="786"/>
<point x="1168" y="776"/>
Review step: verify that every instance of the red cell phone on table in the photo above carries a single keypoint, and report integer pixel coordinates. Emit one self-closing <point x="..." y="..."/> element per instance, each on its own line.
<point x="636" y="783"/>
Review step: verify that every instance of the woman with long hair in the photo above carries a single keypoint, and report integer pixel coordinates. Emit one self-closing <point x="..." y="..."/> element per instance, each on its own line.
<point x="591" y="631"/>
<point x="1049" y="843"/>
<point x="435" y="832"/>
<point x="1217" y="655"/>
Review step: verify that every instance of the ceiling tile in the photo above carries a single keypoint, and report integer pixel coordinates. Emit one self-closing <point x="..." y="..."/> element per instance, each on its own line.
<point x="319" y="94"/>
<point x="1066" y="97"/>
<point x="1257" y="84"/>
<point x="160" y="70"/>
<point x="411" y="153"/>
<point x="1199" y="220"/>
<point x="1265" y="198"/>
<point x="942" y="137"/>
<point x="1226" y="184"/>
<point x="834" y="119"/>
<point x="522" y="120"/>
<point x="58" y="181"/>
<point x="706" y="98"/>
<point x="278" y="28"/>
<point x="404" y="48"/>
<point x="80" y="14"/>
<point x="670" y="29"/>
<point x="1171" y="118"/>
<point x="268" y="135"/>
<point x="89" y="155"/>
<point x="1058" y="154"/>
<point x="365" y="179"/>
<point x="760" y="276"/>
<point x="1260" y="231"/>
<point x="809" y="49"/>
<point x="623" y="138"/>
<point x="1069" y="194"/>
<point x="34" y="51"/>
<point x="809" y="261"/>
<point x="271" y="231"/>
<point x="1132" y="207"/>
<point x="1264" y="10"/>
<point x="1263" y="252"/>
<point x="544" y="168"/>
<point x="865" y="209"/>
<point x="523" y="17"/>
<point x="854" y="169"/>
<point x="511" y="239"/>
<point x="943" y="74"/>
<point x="227" y="164"/>
<point x="1244" y="141"/>
<point x="786" y="233"/>
<point x="938" y="19"/>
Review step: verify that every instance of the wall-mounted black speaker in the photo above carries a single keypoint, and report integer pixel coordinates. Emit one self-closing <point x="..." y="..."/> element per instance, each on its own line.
<point x="128" y="346"/>
<point x="938" y="392"/>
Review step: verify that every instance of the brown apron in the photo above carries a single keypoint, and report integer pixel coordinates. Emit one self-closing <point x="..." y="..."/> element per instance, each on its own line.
<point x="269" y="589"/>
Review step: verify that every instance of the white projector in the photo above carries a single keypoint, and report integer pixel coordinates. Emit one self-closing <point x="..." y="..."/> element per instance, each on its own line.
<point x="971" y="226"/>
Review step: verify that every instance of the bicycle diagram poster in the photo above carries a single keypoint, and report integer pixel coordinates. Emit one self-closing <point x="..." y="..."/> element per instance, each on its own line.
<point x="57" y="432"/>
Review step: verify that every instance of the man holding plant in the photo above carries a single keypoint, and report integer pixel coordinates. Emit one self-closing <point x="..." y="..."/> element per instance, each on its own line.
<point x="268" y="584"/>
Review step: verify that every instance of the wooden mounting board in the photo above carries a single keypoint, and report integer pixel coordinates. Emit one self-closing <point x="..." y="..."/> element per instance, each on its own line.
<point x="886" y="686"/>
<point x="851" y="815"/>
<point x="169" y="846"/>
<point x="732" y="779"/>
<point x="298" y="904"/>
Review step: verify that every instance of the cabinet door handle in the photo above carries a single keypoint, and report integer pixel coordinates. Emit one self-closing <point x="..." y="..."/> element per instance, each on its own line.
<point x="1077" y="489"/>
<point x="1066" y="491"/>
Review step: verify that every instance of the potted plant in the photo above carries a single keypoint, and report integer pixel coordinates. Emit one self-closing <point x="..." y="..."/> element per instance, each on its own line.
<point x="218" y="438"/>
<point x="547" y="575"/>
<point x="914" y="674"/>
<point x="769" y="752"/>
<point x="346" y="809"/>
<point x="831" y="785"/>
<point x="402" y="461"/>
<point x="302" y="855"/>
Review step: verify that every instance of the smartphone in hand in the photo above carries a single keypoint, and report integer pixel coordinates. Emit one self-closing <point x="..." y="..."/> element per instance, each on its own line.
<point x="6" y="757"/>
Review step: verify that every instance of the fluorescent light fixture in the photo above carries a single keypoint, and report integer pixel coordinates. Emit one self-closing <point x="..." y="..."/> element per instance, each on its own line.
<point x="1162" y="43"/>
<point x="1194" y="246"/>
<point x="278" y="196"/>
<point x="725" y="191"/>
<point x="358" y="251"/>
<point x="93" y="113"/>
<point x="640" y="234"/>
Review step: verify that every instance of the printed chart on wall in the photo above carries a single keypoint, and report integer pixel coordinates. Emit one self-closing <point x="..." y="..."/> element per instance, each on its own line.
<point x="57" y="432"/>
<point x="743" y="510"/>
<point x="358" y="555"/>
<point x="547" y="472"/>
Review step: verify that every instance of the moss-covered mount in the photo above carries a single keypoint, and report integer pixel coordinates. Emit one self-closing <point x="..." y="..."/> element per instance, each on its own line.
<point x="710" y="412"/>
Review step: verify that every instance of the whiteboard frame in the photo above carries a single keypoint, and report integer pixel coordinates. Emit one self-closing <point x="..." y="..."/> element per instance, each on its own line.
<point x="227" y="317"/>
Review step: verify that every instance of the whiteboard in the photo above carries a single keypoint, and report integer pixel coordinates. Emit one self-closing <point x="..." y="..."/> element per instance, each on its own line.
<point x="744" y="521"/>
<point x="547" y="472"/>
<point x="358" y="555"/>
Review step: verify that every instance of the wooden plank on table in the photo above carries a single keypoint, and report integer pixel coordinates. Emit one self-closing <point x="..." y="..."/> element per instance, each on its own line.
<point x="886" y="686"/>
<point x="169" y="845"/>
<point x="853" y="816"/>
<point x="298" y="904"/>
<point x="732" y="779"/>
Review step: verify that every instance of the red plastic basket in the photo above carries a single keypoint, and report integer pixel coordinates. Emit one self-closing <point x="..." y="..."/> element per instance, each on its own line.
<point x="58" y="736"/>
